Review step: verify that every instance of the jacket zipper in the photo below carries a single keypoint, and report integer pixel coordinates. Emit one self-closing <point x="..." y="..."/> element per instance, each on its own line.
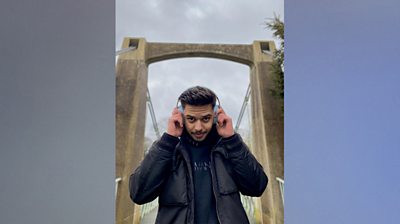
<point x="191" y="187"/>
<point x="213" y="180"/>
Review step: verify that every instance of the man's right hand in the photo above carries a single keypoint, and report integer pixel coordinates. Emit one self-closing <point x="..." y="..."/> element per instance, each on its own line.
<point x="175" y="123"/>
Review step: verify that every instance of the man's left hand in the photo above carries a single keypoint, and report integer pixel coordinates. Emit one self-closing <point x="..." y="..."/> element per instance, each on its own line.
<point x="224" y="124"/>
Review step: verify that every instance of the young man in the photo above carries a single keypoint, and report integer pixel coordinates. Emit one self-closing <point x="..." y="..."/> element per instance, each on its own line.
<point x="198" y="167"/>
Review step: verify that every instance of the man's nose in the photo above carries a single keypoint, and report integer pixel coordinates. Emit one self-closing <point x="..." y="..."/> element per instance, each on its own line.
<point x="197" y="126"/>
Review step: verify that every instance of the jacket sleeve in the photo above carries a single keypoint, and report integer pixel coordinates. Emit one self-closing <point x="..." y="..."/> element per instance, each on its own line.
<point x="146" y="181"/>
<point x="248" y="173"/>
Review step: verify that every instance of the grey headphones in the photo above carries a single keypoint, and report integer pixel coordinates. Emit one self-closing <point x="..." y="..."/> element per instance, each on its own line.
<point x="215" y="109"/>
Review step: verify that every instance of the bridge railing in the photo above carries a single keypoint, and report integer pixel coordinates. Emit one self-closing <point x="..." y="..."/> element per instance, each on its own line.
<point x="248" y="205"/>
<point x="147" y="208"/>
<point x="281" y="187"/>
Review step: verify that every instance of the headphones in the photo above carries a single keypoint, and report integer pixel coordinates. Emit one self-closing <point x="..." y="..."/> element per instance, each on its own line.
<point x="215" y="109"/>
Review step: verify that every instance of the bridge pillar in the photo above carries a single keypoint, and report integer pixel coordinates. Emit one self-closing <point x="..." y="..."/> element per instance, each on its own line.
<point x="267" y="129"/>
<point x="131" y="87"/>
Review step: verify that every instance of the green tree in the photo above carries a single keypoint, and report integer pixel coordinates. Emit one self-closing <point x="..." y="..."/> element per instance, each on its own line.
<point x="277" y="68"/>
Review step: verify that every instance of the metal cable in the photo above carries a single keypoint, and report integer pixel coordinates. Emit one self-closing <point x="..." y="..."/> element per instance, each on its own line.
<point x="153" y="115"/>
<point x="122" y="51"/>
<point x="242" y="110"/>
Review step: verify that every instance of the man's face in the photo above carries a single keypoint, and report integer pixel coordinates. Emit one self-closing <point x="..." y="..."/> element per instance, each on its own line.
<point x="198" y="120"/>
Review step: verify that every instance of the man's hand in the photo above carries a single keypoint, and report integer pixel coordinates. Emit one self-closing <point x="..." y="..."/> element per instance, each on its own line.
<point x="224" y="124"/>
<point x="175" y="123"/>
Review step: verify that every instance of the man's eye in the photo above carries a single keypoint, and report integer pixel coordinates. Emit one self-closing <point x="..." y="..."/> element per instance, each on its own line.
<point x="206" y="119"/>
<point x="190" y="119"/>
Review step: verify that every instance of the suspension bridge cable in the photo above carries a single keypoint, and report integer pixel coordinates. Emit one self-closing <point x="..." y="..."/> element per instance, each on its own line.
<point x="242" y="110"/>
<point x="122" y="51"/>
<point x="153" y="115"/>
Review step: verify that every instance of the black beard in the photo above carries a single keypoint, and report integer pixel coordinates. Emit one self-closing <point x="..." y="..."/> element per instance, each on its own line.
<point x="211" y="138"/>
<point x="200" y="132"/>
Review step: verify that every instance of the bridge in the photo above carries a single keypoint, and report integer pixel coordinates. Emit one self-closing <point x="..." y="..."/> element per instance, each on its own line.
<point x="132" y="97"/>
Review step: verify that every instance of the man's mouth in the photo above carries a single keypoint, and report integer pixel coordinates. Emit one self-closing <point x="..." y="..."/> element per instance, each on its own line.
<point x="199" y="135"/>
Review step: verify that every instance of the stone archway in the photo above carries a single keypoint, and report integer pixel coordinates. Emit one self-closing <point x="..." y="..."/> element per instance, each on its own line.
<point x="131" y="85"/>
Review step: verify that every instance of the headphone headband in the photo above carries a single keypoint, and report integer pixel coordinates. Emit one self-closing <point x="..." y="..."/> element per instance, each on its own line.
<point x="216" y="106"/>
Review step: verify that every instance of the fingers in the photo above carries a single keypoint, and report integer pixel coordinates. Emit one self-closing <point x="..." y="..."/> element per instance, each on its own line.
<point x="220" y="111"/>
<point x="180" y="121"/>
<point x="175" y="111"/>
<point x="176" y="117"/>
<point x="224" y="126"/>
<point x="222" y="117"/>
<point x="223" y="120"/>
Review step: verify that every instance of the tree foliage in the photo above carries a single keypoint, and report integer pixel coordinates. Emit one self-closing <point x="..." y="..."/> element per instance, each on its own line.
<point x="277" y="68"/>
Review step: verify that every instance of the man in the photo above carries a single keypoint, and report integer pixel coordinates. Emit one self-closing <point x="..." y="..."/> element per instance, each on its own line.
<point x="198" y="167"/>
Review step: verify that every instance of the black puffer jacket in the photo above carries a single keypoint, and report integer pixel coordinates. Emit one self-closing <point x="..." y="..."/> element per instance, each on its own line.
<point x="165" y="172"/>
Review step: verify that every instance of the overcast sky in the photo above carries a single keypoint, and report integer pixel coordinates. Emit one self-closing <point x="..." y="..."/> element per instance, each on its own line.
<point x="207" y="21"/>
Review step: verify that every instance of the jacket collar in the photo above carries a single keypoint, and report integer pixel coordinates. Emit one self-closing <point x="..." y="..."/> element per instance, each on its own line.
<point x="213" y="139"/>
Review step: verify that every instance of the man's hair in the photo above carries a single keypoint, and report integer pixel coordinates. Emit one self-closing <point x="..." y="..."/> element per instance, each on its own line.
<point x="198" y="96"/>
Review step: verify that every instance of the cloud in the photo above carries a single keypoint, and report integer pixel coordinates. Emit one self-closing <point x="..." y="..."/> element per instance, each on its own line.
<point x="195" y="13"/>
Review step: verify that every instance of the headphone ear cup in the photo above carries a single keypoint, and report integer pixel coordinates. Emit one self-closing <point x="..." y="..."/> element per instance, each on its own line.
<point x="215" y="114"/>
<point x="180" y="108"/>
<point x="215" y="108"/>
